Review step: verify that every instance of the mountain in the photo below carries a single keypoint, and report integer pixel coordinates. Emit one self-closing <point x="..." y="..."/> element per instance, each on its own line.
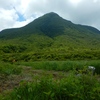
<point x="50" y="24"/>
<point x="52" y="37"/>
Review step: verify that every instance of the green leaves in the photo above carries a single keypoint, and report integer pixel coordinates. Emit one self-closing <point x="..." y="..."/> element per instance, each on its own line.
<point x="13" y="49"/>
<point x="8" y="69"/>
<point x="47" y="88"/>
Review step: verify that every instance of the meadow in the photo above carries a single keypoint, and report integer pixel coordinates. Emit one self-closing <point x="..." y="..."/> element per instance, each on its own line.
<point x="49" y="80"/>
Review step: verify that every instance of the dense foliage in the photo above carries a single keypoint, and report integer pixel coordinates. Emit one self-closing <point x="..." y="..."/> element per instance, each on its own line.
<point x="50" y="37"/>
<point x="46" y="88"/>
<point x="64" y="83"/>
<point x="7" y="69"/>
<point x="70" y="88"/>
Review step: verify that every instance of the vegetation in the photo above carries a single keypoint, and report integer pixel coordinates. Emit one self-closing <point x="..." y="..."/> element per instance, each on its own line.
<point x="64" y="66"/>
<point x="47" y="88"/>
<point x="67" y="88"/>
<point x="50" y="37"/>
<point x="8" y="69"/>
<point x="48" y="59"/>
<point x="60" y="84"/>
<point x="49" y="55"/>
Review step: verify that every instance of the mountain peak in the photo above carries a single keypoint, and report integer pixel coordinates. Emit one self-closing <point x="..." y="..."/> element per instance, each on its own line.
<point x="52" y="14"/>
<point x="50" y="24"/>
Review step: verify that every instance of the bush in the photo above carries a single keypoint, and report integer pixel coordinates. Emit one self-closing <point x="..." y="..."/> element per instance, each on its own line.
<point x="69" y="88"/>
<point x="7" y="69"/>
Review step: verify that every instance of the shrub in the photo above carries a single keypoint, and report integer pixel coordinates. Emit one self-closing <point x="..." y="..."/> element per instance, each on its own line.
<point x="68" y="88"/>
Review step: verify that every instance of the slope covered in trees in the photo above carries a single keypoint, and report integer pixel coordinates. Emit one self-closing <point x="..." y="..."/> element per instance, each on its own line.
<point x="50" y="37"/>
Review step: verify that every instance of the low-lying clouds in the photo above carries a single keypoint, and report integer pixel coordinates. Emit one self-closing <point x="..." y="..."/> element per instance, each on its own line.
<point x="17" y="13"/>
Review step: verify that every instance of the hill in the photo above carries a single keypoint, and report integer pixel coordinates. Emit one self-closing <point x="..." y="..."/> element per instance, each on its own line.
<point x="50" y="37"/>
<point x="50" y="24"/>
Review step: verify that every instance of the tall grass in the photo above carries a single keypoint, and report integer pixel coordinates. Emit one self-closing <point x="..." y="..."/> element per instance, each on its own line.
<point x="63" y="65"/>
<point x="7" y="69"/>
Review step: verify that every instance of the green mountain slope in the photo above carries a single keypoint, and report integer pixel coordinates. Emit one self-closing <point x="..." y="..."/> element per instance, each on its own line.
<point x="50" y="24"/>
<point x="50" y="37"/>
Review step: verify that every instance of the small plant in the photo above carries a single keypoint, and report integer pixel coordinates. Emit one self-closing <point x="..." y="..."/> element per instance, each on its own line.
<point x="7" y="69"/>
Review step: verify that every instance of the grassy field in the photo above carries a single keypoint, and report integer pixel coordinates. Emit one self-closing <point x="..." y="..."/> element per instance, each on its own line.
<point x="49" y="80"/>
<point x="63" y="65"/>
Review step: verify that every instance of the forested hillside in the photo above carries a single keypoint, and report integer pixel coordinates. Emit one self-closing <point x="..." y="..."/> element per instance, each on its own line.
<point x="50" y="37"/>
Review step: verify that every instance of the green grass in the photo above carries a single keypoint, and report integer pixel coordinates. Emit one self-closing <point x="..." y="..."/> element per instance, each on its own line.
<point x="47" y="88"/>
<point x="63" y="65"/>
<point x="8" y="69"/>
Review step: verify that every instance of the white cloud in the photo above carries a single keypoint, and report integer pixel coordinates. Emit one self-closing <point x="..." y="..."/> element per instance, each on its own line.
<point x="78" y="11"/>
<point x="87" y="13"/>
<point x="75" y="3"/>
<point x="7" y="18"/>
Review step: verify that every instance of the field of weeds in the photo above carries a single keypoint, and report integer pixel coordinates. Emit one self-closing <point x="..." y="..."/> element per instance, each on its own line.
<point x="49" y="80"/>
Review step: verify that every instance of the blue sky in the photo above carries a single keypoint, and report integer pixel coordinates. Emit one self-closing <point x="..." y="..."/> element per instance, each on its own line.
<point x="20" y="17"/>
<point x="17" y="13"/>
